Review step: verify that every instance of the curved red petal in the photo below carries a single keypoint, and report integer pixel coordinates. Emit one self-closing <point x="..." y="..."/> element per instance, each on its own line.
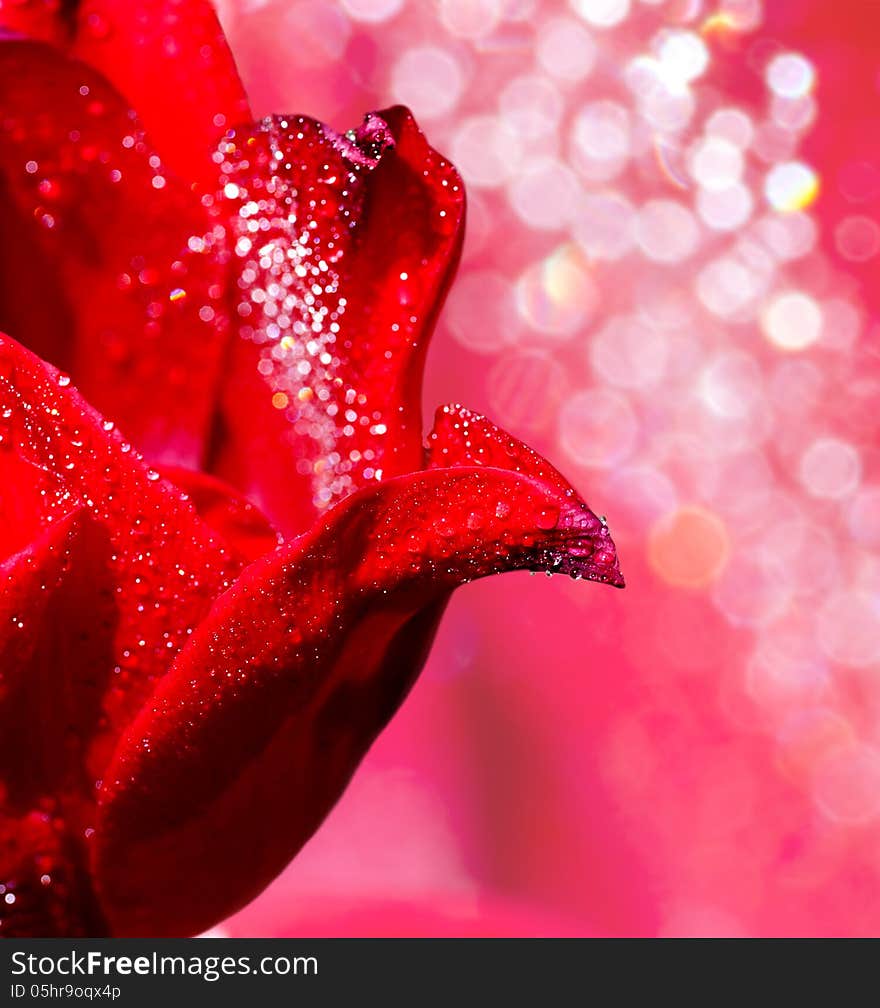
<point x="168" y="58"/>
<point x="111" y="241"/>
<point x="342" y="248"/>
<point x="57" y="625"/>
<point x="45" y="871"/>
<point x="166" y="565"/>
<point x="240" y="525"/>
<point x="253" y="735"/>
<point x="461" y="437"/>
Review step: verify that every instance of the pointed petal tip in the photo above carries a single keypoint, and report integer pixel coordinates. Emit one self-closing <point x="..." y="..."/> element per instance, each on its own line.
<point x="581" y="547"/>
<point x="573" y="539"/>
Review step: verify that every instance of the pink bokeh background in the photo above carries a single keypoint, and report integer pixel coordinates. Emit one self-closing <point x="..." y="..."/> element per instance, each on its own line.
<point x="666" y="289"/>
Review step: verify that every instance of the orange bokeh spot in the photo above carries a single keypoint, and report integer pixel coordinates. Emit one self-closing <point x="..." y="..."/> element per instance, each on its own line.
<point x="689" y="547"/>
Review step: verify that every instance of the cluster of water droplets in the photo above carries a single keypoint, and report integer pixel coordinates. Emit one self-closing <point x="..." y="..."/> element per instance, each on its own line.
<point x="291" y="218"/>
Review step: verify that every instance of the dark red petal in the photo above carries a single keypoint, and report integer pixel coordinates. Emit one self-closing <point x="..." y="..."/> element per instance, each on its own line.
<point x="343" y="249"/>
<point x="44" y="870"/>
<point x="99" y="231"/>
<point x="168" y="58"/>
<point x="57" y="625"/>
<point x="166" y="566"/>
<point x="239" y="524"/>
<point x="253" y="735"/>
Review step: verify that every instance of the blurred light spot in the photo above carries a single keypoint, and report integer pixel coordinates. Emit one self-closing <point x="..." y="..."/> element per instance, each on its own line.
<point x="486" y="150"/>
<point x="750" y="592"/>
<point x="666" y="231"/>
<point x="557" y="295"/>
<point x="372" y="11"/>
<point x="791" y="186"/>
<point x="322" y="32"/>
<point x="793" y="114"/>
<point x="429" y="80"/>
<point x="863" y="516"/>
<point x="725" y="209"/>
<point x="830" y="468"/>
<point x="792" y="321"/>
<point x="715" y="163"/>
<point x="597" y="427"/>
<point x="566" y="49"/>
<point x="532" y="104"/>
<point x="600" y="138"/>
<point x="664" y="103"/>
<point x="849" y="628"/>
<point x="470" y="19"/>
<point x="796" y="386"/>
<point x="629" y="352"/>
<point x="773" y="144"/>
<point x="725" y="286"/>
<point x="790" y="75"/>
<point x="733" y="125"/>
<point x="683" y="57"/>
<point x="544" y="194"/>
<point x="731" y="384"/>
<point x="604" y="225"/>
<point x="842" y="325"/>
<point x="741" y="15"/>
<point x="784" y="669"/>
<point x="481" y="312"/>
<point x="846" y="785"/>
<point x="602" y="13"/>
<point x="689" y="548"/>
<point x="857" y="238"/>
<point x="667" y="110"/>
<point x="788" y="237"/>
<point x="807" y="552"/>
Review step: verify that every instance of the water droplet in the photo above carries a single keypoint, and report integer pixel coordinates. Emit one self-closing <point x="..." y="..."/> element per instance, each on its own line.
<point x="98" y="26"/>
<point x="547" y="518"/>
<point x="476" y="520"/>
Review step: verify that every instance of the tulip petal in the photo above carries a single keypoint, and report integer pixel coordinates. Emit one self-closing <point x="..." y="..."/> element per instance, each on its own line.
<point x="462" y="437"/>
<point x="245" y="531"/>
<point x="342" y="248"/>
<point x="167" y="57"/>
<point x="57" y="624"/>
<point x="253" y="735"/>
<point x="166" y="567"/>
<point x="106" y="254"/>
<point x="44" y="870"/>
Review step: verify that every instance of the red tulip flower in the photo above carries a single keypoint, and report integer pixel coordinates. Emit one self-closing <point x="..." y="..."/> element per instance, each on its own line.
<point x="191" y="673"/>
